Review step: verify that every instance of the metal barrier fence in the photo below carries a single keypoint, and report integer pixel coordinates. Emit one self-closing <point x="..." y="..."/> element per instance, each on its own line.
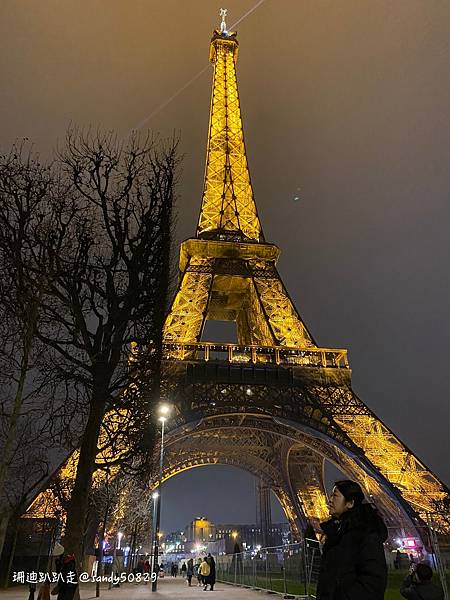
<point x="293" y="569"/>
<point x="290" y="569"/>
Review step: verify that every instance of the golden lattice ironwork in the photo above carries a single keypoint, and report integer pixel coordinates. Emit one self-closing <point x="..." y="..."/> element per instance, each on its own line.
<point x="398" y="464"/>
<point x="228" y="204"/>
<point x="55" y="499"/>
<point x="188" y="311"/>
<point x="282" y="316"/>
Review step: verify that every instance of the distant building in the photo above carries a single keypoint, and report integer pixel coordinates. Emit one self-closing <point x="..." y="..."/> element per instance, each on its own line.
<point x="202" y="535"/>
<point x="250" y="536"/>
<point x="200" y="531"/>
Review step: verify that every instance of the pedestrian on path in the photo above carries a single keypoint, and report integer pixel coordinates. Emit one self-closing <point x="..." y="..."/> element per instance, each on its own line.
<point x="146" y="571"/>
<point x="68" y="582"/>
<point x="183" y="570"/>
<point x="190" y="571"/>
<point x="199" y="574"/>
<point x="205" y="571"/>
<point x="353" y="565"/>
<point x="418" y="584"/>
<point x="212" y="574"/>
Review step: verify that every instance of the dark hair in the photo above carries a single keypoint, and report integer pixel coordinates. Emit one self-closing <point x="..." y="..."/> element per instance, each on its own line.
<point x="424" y="572"/>
<point x="362" y="514"/>
<point x="351" y="491"/>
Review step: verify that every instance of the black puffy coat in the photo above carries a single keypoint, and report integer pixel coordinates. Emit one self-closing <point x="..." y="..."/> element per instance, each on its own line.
<point x="425" y="590"/>
<point x="353" y="565"/>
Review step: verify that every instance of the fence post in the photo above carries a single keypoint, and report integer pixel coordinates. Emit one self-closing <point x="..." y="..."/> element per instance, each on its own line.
<point x="267" y="571"/>
<point x="235" y="567"/>
<point x="437" y="555"/>
<point x="305" y="565"/>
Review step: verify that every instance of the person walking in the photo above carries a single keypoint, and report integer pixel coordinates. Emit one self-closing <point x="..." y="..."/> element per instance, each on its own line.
<point x="199" y="574"/>
<point x="190" y="571"/>
<point x="146" y="571"/>
<point x="183" y="570"/>
<point x="418" y="584"/>
<point x="353" y="565"/>
<point x="212" y="573"/>
<point x="140" y="566"/>
<point x="68" y="582"/>
<point x="205" y="571"/>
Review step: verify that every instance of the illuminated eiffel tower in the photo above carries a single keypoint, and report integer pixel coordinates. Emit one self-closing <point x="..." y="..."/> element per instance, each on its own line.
<point x="275" y="403"/>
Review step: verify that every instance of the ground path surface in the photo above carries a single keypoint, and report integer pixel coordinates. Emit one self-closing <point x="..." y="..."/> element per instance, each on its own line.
<point x="167" y="588"/>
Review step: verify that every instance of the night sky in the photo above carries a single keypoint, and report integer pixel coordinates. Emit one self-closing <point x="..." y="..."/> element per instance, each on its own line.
<point x="346" y="109"/>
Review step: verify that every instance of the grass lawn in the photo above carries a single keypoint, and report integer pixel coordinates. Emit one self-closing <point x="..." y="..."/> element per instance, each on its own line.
<point x="276" y="584"/>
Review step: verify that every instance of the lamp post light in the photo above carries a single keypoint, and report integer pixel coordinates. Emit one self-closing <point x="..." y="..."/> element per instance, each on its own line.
<point x="163" y="414"/>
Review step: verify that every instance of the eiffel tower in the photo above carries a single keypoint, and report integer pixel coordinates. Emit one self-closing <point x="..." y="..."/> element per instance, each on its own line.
<point x="275" y="404"/>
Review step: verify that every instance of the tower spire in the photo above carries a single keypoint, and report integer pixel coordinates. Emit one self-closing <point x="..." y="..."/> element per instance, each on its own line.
<point x="223" y="25"/>
<point x="228" y="208"/>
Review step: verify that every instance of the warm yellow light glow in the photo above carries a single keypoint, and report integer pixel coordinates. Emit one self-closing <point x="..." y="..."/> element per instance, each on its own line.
<point x="228" y="203"/>
<point x="229" y="273"/>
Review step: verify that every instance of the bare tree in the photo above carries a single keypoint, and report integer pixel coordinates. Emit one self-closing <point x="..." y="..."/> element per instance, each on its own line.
<point x="85" y="253"/>
<point x="108" y="237"/>
<point x="28" y="419"/>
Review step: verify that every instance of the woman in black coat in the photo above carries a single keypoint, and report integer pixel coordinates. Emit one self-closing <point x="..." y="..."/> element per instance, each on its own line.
<point x="353" y="565"/>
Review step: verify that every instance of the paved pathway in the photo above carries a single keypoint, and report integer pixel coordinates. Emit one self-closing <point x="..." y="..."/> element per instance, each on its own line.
<point x="167" y="588"/>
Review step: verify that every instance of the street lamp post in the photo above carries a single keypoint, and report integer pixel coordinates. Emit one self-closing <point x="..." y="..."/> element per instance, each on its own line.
<point x="154" y="563"/>
<point x="163" y="414"/>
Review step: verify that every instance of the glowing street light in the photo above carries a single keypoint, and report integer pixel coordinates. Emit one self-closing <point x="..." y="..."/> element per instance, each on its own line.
<point x="119" y="538"/>
<point x="163" y="414"/>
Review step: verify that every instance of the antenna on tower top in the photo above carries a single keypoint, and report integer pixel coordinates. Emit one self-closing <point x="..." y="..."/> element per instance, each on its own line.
<point x="223" y="25"/>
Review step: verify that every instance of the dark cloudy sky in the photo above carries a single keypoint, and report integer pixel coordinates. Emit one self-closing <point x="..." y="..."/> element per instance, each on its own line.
<point x="346" y="105"/>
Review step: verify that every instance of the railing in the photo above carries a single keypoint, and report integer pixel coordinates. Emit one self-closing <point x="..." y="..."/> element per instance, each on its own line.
<point x="293" y="569"/>
<point x="277" y="355"/>
<point x="290" y="569"/>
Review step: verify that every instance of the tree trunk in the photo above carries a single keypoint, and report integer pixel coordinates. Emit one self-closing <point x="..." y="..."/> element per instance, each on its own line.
<point x="130" y="564"/>
<point x="4" y="520"/>
<point x="13" y="550"/>
<point x="79" y="501"/>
